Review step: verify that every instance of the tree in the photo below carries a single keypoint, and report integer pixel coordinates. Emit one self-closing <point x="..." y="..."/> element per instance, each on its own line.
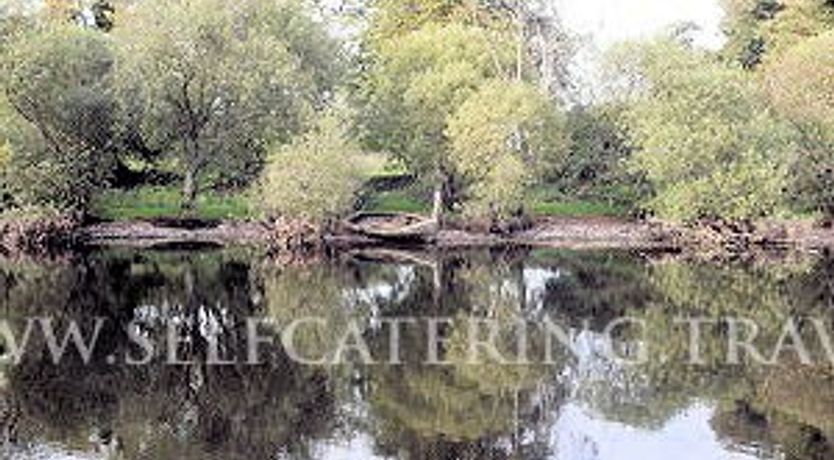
<point x="501" y="136"/>
<point x="760" y="30"/>
<point x="417" y="82"/>
<point x="596" y="165"/>
<point x="707" y="141"/>
<point x="13" y="19"/>
<point x="427" y="57"/>
<point x="800" y="83"/>
<point x="395" y="18"/>
<point x="5" y="191"/>
<point x="213" y="83"/>
<point x="59" y="115"/>
<point x="314" y="177"/>
<point x="542" y="47"/>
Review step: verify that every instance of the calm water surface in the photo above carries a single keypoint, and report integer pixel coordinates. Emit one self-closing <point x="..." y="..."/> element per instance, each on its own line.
<point x="582" y="405"/>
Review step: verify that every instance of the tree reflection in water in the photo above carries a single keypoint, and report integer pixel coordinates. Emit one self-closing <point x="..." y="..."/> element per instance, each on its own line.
<point x="283" y="409"/>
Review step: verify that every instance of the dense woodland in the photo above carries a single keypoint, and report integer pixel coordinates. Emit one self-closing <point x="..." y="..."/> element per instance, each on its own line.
<point x="294" y="107"/>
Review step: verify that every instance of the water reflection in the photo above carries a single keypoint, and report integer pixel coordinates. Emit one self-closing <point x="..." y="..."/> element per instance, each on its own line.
<point x="578" y="405"/>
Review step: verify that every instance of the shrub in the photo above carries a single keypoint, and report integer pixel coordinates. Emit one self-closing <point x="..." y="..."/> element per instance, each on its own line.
<point x="56" y="114"/>
<point x="707" y="140"/>
<point x="500" y="137"/>
<point x="801" y="84"/>
<point x="315" y="177"/>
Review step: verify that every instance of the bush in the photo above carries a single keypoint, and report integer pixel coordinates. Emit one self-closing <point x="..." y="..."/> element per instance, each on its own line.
<point x="707" y="141"/>
<point x="314" y="178"/>
<point x="501" y="136"/>
<point x="56" y="115"/>
<point x="801" y="84"/>
<point x="596" y="168"/>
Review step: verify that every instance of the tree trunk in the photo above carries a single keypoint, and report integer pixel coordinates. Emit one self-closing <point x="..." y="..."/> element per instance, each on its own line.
<point x="437" y="210"/>
<point x="521" y="24"/>
<point x="440" y="196"/>
<point x="189" y="189"/>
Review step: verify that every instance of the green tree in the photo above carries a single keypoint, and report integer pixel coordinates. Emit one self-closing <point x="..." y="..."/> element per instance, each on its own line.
<point x="801" y="83"/>
<point x="314" y="177"/>
<point x="58" y="115"/>
<point x="707" y="140"/>
<point x="394" y="18"/>
<point x="501" y="136"/>
<point x="541" y="45"/>
<point x="426" y="58"/>
<point x="213" y="83"/>
<point x="416" y="84"/>
<point x="595" y="167"/>
<point x="761" y="30"/>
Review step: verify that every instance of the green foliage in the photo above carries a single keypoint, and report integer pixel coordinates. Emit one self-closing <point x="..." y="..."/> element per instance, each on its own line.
<point x="596" y="166"/>
<point x="500" y="192"/>
<point x="708" y="143"/>
<point x="802" y="85"/>
<point x="314" y="177"/>
<point x="500" y="137"/>
<point x="417" y="82"/>
<point x="58" y="115"/>
<point x="212" y="83"/>
<point x="506" y="118"/>
<point x="393" y="18"/>
<point x="802" y="81"/>
<point x="13" y="20"/>
<point x="439" y="99"/>
<point x="761" y="30"/>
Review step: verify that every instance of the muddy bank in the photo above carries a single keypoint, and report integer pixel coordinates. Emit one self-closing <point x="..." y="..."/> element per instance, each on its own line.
<point x="596" y="232"/>
<point x="155" y="233"/>
<point x="569" y="233"/>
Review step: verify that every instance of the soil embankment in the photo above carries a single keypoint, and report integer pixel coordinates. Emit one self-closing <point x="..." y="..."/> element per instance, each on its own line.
<point x="569" y="233"/>
<point x="578" y="233"/>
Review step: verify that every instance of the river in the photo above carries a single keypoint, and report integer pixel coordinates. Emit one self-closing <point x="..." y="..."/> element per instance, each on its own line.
<point x="194" y="356"/>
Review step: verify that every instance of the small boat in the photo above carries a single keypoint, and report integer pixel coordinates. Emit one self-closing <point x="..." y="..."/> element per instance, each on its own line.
<point x="406" y="228"/>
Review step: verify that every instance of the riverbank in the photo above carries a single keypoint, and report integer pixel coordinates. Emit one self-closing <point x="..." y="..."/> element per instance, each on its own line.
<point x="39" y="235"/>
<point x="565" y="232"/>
<point x="38" y="231"/>
<point x="561" y="232"/>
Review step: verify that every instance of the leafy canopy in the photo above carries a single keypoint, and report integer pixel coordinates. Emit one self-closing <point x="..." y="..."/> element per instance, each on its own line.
<point x="57" y="114"/>
<point x="214" y="82"/>
<point x="501" y="137"/>
<point x="418" y="81"/>
<point x="801" y="84"/>
<point x="707" y="140"/>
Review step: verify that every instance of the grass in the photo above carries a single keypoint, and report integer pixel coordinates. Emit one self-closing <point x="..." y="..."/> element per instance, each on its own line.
<point x="375" y="166"/>
<point x="544" y="201"/>
<point x="165" y="202"/>
<point x="401" y="201"/>
<point x="396" y="201"/>
<point x="576" y="209"/>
